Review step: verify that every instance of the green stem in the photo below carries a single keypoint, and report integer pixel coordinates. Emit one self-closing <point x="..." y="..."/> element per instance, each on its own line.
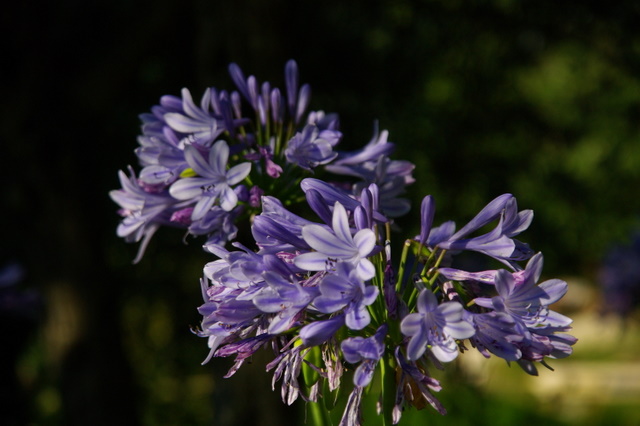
<point x="388" y="373"/>
<point x="319" y="414"/>
<point x="403" y="262"/>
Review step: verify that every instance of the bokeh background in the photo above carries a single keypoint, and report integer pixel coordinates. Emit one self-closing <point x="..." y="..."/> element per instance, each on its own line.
<point x="537" y="98"/>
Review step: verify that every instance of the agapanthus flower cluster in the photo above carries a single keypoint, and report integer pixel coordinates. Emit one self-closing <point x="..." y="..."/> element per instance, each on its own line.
<point x="324" y="291"/>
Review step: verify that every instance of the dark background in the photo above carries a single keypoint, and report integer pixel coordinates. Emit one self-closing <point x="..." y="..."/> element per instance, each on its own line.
<point x="540" y="99"/>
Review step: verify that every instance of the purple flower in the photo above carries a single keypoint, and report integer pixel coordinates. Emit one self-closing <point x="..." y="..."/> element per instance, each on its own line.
<point x="338" y="245"/>
<point x="377" y="147"/>
<point x="215" y="180"/>
<point x="520" y="296"/>
<point x="373" y="166"/>
<point x="284" y="298"/>
<point x="499" y="242"/>
<point x="330" y="193"/>
<point x="391" y="177"/>
<point x="318" y="332"/>
<point x="437" y="326"/>
<point x="218" y="224"/>
<point x="276" y="229"/>
<point x="263" y="99"/>
<point x="143" y="212"/>
<point x="194" y="121"/>
<point x="345" y="289"/>
<point x="312" y="147"/>
<point x="533" y="333"/>
<point x="366" y="351"/>
<point x="495" y="333"/>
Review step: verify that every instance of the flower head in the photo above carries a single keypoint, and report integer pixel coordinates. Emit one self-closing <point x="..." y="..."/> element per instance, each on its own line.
<point x="436" y="325"/>
<point x="325" y="294"/>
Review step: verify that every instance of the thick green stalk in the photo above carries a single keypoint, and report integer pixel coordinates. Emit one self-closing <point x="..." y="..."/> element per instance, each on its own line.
<point x="319" y="414"/>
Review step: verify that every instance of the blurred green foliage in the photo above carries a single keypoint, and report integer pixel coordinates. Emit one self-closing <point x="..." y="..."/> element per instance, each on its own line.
<point x="540" y="99"/>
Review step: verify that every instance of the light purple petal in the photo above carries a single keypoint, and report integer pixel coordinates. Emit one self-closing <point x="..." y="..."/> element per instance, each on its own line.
<point x="445" y="353"/>
<point x="411" y="324"/>
<point x="427" y="301"/>
<point x="452" y="311"/>
<point x="320" y="331"/>
<point x="364" y="373"/>
<point x="554" y="290"/>
<point x="369" y="294"/>
<point x="282" y="322"/>
<point x="328" y="305"/>
<point x="460" y="329"/>
<point x="156" y="174"/>
<point x="313" y="261"/>
<point x="268" y="301"/>
<point x="335" y="284"/>
<point x="183" y="124"/>
<point x="197" y="162"/>
<point x="340" y="223"/>
<point x="202" y="207"/>
<point x="441" y="233"/>
<point x="365" y="240"/>
<point x="357" y="319"/>
<point x="238" y="78"/>
<point x="505" y="283"/>
<point x="218" y="157"/>
<point x="188" y="188"/>
<point x="189" y="106"/>
<point x="237" y="173"/>
<point x="322" y="240"/>
<point x="365" y="269"/>
<point x="304" y="97"/>
<point x="485" y="302"/>
<point x="417" y="345"/>
<point x="228" y="198"/>
<point x="555" y="319"/>
<point x="486" y="215"/>
<point x="486" y="277"/>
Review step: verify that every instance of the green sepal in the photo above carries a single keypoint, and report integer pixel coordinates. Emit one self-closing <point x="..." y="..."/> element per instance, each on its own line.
<point x="187" y="173"/>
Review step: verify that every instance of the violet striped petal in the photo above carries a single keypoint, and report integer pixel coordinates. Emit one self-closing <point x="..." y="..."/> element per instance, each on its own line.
<point x="238" y="172"/>
<point x="187" y="188"/>
<point x="313" y="261"/>
<point x="322" y="240"/>
<point x="197" y="162"/>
